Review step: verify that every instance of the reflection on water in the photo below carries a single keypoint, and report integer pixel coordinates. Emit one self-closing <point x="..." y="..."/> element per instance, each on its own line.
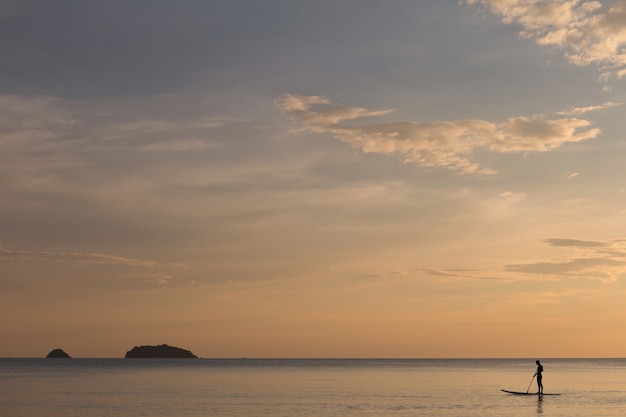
<point x="307" y="388"/>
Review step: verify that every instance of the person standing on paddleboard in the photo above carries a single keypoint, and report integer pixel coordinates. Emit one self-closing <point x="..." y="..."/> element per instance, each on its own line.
<point x="539" y="376"/>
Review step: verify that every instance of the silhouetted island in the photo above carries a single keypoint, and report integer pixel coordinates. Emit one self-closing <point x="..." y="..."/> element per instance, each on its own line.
<point x="57" y="353"/>
<point x="160" y="351"/>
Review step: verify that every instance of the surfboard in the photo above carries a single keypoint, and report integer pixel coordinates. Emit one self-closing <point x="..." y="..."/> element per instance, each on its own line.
<point x="527" y="393"/>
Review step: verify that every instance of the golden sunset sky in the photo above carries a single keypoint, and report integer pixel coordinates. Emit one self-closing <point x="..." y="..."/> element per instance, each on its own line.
<point x="328" y="178"/>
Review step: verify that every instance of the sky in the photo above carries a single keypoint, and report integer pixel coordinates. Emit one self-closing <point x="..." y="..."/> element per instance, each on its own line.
<point x="329" y="178"/>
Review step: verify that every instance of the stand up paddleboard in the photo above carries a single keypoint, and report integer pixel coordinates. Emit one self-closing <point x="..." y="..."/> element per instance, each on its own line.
<point x="526" y="393"/>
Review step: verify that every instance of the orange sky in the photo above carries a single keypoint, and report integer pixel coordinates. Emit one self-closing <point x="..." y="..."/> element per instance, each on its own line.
<point x="305" y="180"/>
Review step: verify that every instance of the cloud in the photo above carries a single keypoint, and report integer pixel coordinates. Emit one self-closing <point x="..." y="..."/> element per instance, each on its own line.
<point x="577" y="111"/>
<point x="572" y="175"/>
<point x="602" y="260"/>
<point x="51" y="145"/>
<point x="31" y="124"/>
<point x="587" y="31"/>
<point x="447" y="144"/>
<point x="576" y="243"/>
<point x="453" y="273"/>
<point x="179" y="145"/>
<point x="7" y="253"/>
<point x="293" y="103"/>
<point x="32" y="121"/>
<point x="150" y="128"/>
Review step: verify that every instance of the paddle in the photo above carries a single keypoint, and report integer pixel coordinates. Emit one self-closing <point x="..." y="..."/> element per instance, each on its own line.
<point x="531" y="382"/>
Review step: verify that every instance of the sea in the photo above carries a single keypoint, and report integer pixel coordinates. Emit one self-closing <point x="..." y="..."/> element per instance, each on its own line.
<point x="309" y="387"/>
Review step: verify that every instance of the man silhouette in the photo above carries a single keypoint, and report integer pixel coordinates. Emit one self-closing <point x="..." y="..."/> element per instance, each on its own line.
<point x="539" y="377"/>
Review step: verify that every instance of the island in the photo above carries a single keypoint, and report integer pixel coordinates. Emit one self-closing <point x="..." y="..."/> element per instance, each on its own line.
<point x="58" y="353"/>
<point x="159" y="351"/>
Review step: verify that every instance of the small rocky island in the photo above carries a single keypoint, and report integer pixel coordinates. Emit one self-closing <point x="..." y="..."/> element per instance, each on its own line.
<point x="159" y="351"/>
<point x="57" y="353"/>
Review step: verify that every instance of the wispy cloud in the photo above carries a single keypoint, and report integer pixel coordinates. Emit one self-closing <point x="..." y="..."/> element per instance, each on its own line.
<point x="151" y="127"/>
<point x="577" y="111"/>
<point x="28" y="121"/>
<point x="8" y="253"/>
<point x="602" y="260"/>
<point x="31" y="124"/>
<point x="54" y="145"/>
<point x="455" y="273"/>
<point x="447" y="144"/>
<point x="587" y="31"/>
<point x="180" y="145"/>
<point x="75" y="270"/>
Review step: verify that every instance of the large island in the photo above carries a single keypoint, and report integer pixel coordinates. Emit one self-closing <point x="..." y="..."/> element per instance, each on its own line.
<point x="159" y="351"/>
<point x="57" y="353"/>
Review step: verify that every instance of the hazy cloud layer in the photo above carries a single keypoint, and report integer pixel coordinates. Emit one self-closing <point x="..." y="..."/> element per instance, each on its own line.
<point x="48" y="143"/>
<point x="25" y="121"/>
<point x="138" y="270"/>
<point x="588" y="31"/>
<point x="602" y="260"/>
<point x="582" y="259"/>
<point x="447" y="144"/>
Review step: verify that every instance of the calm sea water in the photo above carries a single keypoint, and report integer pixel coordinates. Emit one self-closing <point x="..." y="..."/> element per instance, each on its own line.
<point x="308" y="387"/>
